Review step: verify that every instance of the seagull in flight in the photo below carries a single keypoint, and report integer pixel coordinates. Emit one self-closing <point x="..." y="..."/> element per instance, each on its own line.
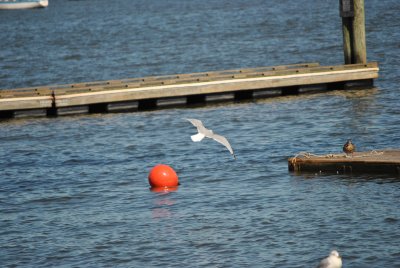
<point x="332" y="261"/>
<point x="204" y="132"/>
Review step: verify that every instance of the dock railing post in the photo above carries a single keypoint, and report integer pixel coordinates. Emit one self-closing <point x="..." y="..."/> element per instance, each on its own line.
<point x="353" y="27"/>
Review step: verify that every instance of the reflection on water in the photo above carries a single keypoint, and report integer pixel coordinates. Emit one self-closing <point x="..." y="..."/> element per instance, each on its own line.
<point x="162" y="203"/>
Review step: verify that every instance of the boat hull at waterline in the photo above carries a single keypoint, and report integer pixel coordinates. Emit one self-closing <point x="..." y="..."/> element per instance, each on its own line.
<point x="23" y="4"/>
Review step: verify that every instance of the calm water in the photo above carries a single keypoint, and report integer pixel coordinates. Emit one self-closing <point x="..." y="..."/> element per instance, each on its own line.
<point x="74" y="191"/>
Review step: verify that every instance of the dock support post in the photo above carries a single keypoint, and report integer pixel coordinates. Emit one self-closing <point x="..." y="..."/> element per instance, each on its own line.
<point x="353" y="27"/>
<point x="147" y="104"/>
<point x="336" y="85"/>
<point x="196" y="99"/>
<point x="293" y="90"/>
<point x="98" y="108"/>
<point x="6" y="114"/>
<point x="243" y="95"/>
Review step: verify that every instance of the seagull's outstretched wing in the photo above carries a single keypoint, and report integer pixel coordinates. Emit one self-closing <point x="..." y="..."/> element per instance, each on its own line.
<point x="198" y="124"/>
<point x="223" y="141"/>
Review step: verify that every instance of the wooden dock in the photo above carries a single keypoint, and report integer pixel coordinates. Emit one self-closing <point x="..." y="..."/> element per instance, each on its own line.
<point x="384" y="161"/>
<point x="196" y="88"/>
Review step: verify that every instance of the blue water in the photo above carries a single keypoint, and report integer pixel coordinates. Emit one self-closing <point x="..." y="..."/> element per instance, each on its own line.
<point x="74" y="190"/>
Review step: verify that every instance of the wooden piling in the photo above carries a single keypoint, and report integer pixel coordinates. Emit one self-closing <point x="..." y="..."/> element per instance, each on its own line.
<point x="353" y="27"/>
<point x="359" y="42"/>
<point x="347" y="25"/>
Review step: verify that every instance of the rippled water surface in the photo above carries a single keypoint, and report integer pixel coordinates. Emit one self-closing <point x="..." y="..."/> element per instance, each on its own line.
<point x="74" y="190"/>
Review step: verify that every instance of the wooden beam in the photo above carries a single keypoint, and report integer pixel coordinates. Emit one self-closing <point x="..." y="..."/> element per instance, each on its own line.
<point x="25" y="103"/>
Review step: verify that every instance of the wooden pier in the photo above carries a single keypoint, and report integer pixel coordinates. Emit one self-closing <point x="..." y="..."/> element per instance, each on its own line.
<point x="196" y="88"/>
<point x="384" y="162"/>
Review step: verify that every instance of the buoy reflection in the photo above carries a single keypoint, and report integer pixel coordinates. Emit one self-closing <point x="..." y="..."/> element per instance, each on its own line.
<point x="164" y="190"/>
<point x="163" y="202"/>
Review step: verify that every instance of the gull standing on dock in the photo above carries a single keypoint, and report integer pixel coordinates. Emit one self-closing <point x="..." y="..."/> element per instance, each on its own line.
<point x="204" y="132"/>
<point x="332" y="261"/>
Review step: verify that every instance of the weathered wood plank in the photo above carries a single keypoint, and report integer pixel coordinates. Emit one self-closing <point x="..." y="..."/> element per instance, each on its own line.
<point x="143" y="81"/>
<point x="26" y="103"/>
<point x="383" y="161"/>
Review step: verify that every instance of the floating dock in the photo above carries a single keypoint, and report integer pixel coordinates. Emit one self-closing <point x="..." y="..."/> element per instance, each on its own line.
<point x="196" y="88"/>
<point x="385" y="161"/>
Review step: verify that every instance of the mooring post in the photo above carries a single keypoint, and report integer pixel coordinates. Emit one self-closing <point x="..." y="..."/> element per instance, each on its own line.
<point x="353" y="27"/>
<point x="359" y="42"/>
<point x="347" y="14"/>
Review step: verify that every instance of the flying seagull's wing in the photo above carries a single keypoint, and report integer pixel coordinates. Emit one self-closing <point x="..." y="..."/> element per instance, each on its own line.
<point x="197" y="123"/>
<point x="223" y="141"/>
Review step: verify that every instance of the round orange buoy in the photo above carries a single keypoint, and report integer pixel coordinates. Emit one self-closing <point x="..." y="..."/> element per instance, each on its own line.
<point x="163" y="176"/>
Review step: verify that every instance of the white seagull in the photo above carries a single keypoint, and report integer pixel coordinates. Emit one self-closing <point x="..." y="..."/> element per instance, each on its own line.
<point x="332" y="261"/>
<point x="204" y="132"/>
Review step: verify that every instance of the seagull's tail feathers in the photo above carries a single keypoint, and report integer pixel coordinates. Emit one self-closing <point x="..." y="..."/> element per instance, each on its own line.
<point x="197" y="137"/>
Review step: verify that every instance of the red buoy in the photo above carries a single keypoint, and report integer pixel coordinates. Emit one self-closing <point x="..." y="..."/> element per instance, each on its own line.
<point x="163" y="176"/>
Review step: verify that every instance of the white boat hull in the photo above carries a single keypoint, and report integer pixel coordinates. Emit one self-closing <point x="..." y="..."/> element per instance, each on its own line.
<point x="10" y="4"/>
